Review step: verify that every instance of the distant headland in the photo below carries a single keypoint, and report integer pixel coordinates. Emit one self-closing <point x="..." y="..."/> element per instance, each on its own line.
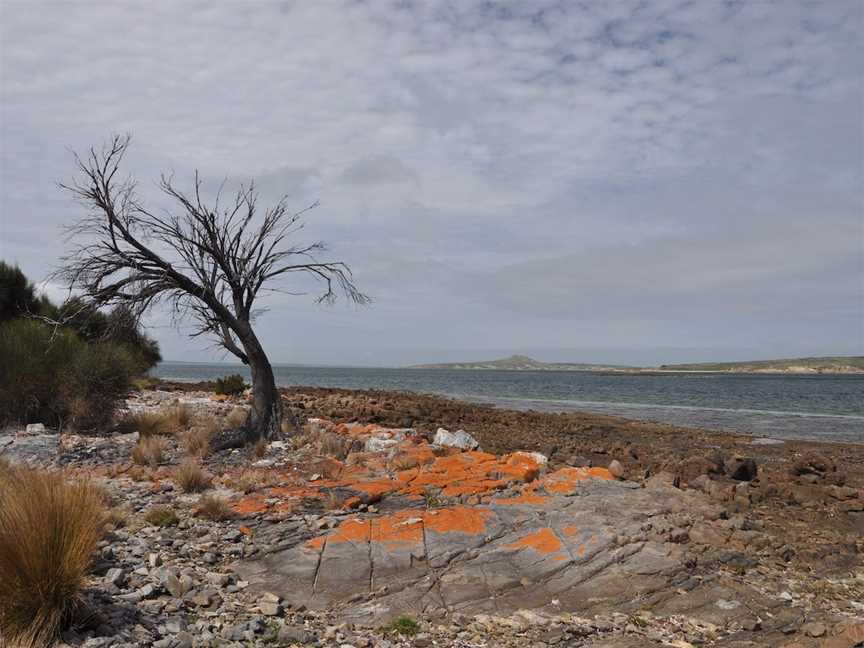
<point x="817" y="365"/>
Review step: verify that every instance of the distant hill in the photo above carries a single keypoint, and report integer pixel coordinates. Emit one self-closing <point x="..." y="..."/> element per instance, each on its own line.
<point x="828" y="364"/>
<point x="832" y="364"/>
<point x="521" y="363"/>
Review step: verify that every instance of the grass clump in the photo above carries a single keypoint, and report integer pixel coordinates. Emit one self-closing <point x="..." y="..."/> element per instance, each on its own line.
<point x="404" y="626"/>
<point x="49" y="528"/>
<point x="237" y="418"/>
<point x="197" y="440"/>
<point x="191" y="478"/>
<point x="232" y="385"/>
<point x="214" y="508"/>
<point x="161" y="516"/>
<point x="149" y="451"/>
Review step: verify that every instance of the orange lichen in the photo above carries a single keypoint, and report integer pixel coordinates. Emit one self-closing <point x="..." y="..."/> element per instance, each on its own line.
<point x="525" y="498"/>
<point x="457" y="519"/>
<point x="564" y="480"/>
<point x="544" y="541"/>
<point x="570" y="531"/>
<point x="250" y="505"/>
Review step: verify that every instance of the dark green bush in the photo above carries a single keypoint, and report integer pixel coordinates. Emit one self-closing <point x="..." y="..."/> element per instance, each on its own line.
<point x="232" y="385"/>
<point x="17" y="295"/>
<point x="50" y="375"/>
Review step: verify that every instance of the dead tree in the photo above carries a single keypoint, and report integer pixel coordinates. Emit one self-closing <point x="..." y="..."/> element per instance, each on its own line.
<point x="208" y="262"/>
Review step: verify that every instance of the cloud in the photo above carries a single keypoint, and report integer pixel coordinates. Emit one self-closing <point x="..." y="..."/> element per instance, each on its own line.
<point x="485" y="167"/>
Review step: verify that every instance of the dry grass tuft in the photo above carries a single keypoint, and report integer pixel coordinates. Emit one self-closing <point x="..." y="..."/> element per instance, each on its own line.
<point x="48" y="532"/>
<point x="197" y="440"/>
<point x="166" y="421"/>
<point x="214" y="508"/>
<point x="191" y="478"/>
<point x="149" y="451"/>
<point x="237" y="418"/>
<point x="248" y="481"/>
<point x="260" y="448"/>
<point x="161" y="516"/>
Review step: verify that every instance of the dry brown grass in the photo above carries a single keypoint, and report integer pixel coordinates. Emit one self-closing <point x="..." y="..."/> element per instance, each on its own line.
<point x="236" y="417"/>
<point x="149" y="451"/>
<point x="214" y="508"/>
<point x="191" y="478"/>
<point x="166" y="421"/>
<point x="260" y="448"/>
<point x="197" y="440"/>
<point x="161" y="516"/>
<point x="248" y="481"/>
<point x="49" y="528"/>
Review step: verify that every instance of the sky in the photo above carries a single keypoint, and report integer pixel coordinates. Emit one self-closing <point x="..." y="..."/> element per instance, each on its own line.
<point x="633" y="182"/>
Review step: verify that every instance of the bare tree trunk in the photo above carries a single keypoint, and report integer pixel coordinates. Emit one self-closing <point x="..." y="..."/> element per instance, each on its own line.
<point x="265" y="419"/>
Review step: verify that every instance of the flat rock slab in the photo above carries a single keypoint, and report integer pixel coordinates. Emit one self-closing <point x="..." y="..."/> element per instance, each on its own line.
<point x="571" y="540"/>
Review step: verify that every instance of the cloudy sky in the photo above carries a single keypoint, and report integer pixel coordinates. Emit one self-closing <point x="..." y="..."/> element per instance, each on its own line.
<point x="602" y="181"/>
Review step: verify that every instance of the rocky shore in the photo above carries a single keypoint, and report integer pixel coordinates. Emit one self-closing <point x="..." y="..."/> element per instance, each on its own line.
<point x="398" y="519"/>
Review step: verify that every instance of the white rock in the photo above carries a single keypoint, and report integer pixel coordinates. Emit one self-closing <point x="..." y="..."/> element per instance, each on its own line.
<point x="35" y="428"/>
<point x="537" y="457"/>
<point x="458" y="439"/>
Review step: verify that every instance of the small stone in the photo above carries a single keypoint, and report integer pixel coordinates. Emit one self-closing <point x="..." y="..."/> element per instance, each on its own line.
<point x="35" y="428"/>
<point x="295" y="634"/>
<point x="155" y="560"/>
<point x="269" y="608"/>
<point x="115" y="576"/>
<point x="616" y="469"/>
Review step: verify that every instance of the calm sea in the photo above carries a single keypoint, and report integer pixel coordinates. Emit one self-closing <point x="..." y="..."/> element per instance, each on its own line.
<point x="779" y="406"/>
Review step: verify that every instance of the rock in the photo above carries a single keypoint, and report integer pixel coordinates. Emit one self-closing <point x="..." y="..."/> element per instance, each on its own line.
<point x="295" y="634"/>
<point x="35" y="428"/>
<point x="578" y="461"/>
<point x="814" y="629"/>
<point x="662" y="480"/>
<point x="812" y="463"/>
<point x="616" y="469"/>
<point x="115" y="576"/>
<point x="742" y="468"/>
<point x="459" y="439"/>
<point x="842" y="492"/>
<point x="270" y="609"/>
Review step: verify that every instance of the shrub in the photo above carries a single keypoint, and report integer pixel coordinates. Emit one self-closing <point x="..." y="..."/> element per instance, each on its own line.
<point x="17" y="296"/>
<point x="51" y="376"/>
<point x="214" y="508"/>
<point x="403" y="626"/>
<point x="149" y="451"/>
<point x="232" y="385"/>
<point x="191" y="478"/>
<point x="161" y="516"/>
<point x="48" y="532"/>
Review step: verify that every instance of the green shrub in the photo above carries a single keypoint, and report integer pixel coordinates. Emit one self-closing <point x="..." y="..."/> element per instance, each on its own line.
<point x="232" y="385"/>
<point x="403" y="626"/>
<point x="50" y="375"/>
<point x="17" y="296"/>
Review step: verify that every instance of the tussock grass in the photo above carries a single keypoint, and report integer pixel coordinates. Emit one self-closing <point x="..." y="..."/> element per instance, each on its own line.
<point x="197" y="440"/>
<point x="191" y="478"/>
<point x="248" y="481"/>
<point x="49" y="528"/>
<point x="166" y="421"/>
<point x="237" y="418"/>
<point x="161" y="516"/>
<point x="149" y="451"/>
<point x="260" y="448"/>
<point x="214" y="508"/>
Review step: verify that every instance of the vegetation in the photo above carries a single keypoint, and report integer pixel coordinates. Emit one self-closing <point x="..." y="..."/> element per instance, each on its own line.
<point x="214" y="508"/>
<point x="52" y="376"/>
<point x="207" y="261"/>
<point x="161" y="516"/>
<point x="49" y="529"/>
<point x="149" y="451"/>
<point x="167" y="421"/>
<point x="403" y="626"/>
<point x="232" y="385"/>
<point x="191" y="478"/>
<point x="68" y="365"/>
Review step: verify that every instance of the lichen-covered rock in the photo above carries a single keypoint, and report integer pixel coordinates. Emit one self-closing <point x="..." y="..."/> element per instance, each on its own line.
<point x="458" y="439"/>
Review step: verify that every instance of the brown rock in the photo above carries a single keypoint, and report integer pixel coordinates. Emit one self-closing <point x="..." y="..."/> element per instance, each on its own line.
<point x="742" y="468"/>
<point x="616" y="469"/>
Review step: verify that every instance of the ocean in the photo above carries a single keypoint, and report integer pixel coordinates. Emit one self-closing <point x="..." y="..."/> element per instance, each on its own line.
<point x="780" y="406"/>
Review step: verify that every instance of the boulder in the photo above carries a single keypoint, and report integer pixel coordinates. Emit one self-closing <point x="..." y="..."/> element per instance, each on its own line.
<point x="458" y="439"/>
<point x="742" y="468"/>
